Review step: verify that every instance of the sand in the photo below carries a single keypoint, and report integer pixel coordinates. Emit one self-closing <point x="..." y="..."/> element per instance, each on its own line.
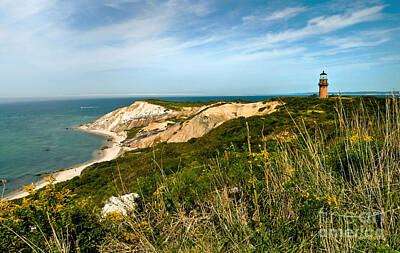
<point x="108" y="154"/>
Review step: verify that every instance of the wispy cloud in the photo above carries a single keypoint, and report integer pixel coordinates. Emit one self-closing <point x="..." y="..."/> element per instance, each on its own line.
<point x="264" y="55"/>
<point x="147" y="37"/>
<point x="134" y="42"/>
<point x="118" y="4"/>
<point x="17" y="10"/>
<point x="277" y="15"/>
<point x="360" y="39"/>
<point x="395" y="57"/>
<point x="322" y="25"/>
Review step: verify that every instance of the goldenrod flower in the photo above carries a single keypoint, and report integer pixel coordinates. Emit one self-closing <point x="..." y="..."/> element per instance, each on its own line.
<point x="368" y="138"/>
<point x="334" y="200"/>
<point x="49" y="179"/>
<point x="29" y="188"/>
<point x="355" y="138"/>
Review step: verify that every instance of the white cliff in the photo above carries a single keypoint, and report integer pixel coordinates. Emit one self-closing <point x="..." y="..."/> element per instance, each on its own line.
<point x="158" y="124"/>
<point x="137" y="114"/>
<point x="202" y="123"/>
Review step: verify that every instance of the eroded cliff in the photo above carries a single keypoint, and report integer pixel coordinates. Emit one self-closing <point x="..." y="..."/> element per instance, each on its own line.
<point x="145" y="124"/>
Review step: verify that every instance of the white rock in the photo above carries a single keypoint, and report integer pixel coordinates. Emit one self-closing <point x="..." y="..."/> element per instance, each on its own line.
<point x="121" y="204"/>
<point x="119" y="119"/>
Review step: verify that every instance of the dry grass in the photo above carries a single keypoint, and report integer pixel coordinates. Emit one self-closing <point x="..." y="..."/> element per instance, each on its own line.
<point x="314" y="194"/>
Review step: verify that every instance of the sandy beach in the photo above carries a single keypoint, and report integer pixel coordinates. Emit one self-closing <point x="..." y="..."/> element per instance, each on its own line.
<point x="63" y="175"/>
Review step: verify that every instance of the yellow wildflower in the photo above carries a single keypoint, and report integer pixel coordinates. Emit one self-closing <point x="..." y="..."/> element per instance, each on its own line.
<point x="329" y="200"/>
<point x="49" y="179"/>
<point x="58" y="208"/>
<point x="355" y="138"/>
<point x="29" y="188"/>
<point x="368" y="138"/>
<point x="334" y="200"/>
<point x="130" y="236"/>
<point x="115" y="216"/>
<point x="16" y="220"/>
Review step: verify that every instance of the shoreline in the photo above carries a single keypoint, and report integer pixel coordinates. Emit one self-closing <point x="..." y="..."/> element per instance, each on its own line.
<point x="62" y="175"/>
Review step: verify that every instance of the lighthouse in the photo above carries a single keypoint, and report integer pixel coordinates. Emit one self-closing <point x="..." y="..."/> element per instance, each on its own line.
<point x="323" y="85"/>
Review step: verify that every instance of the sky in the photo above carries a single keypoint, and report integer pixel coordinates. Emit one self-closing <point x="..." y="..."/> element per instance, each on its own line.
<point x="53" y="48"/>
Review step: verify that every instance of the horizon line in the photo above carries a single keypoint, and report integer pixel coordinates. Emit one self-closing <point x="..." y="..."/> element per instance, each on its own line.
<point x="186" y="95"/>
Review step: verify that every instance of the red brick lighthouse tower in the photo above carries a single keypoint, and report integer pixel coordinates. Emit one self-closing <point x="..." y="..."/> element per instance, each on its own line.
<point x="323" y="85"/>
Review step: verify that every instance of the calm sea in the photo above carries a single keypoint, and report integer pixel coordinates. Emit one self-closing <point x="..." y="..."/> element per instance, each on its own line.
<point x="41" y="137"/>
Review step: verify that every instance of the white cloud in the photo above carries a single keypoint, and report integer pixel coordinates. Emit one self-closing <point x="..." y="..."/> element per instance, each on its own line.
<point x="118" y="4"/>
<point x="361" y="39"/>
<point x="317" y="26"/>
<point x="17" y="10"/>
<point x="323" y="24"/>
<point x="395" y="57"/>
<point x="145" y="38"/>
<point x="135" y="42"/>
<point x="265" y="55"/>
<point x="277" y="15"/>
<point x="355" y="41"/>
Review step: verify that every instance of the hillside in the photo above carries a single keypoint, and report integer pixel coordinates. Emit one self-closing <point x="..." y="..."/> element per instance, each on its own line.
<point x="175" y="156"/>
<point x="255" y="181"/>
<point x="148" y="123"/>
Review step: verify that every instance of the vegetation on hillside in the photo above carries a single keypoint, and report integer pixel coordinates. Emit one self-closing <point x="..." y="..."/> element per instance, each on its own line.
<point x="131" y="133"/>
<point x="317" y="175"/>
<point x="174" y="105"/>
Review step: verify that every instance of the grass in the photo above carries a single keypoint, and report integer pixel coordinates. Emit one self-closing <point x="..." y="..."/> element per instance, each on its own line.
<point x="131" y="133"/>
<point x="173" y="105"/>
<point x="177" y="120"/>
<point x="287" y="181"/>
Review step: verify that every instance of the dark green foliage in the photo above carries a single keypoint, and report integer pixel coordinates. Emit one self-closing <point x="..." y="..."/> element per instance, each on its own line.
<point x="178" y="105"/>
<point x="133" y="132"/>
<point x="47" y="217"/>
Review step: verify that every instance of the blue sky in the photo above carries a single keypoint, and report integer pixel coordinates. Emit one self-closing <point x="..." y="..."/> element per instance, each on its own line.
<point x="52" y="48"/>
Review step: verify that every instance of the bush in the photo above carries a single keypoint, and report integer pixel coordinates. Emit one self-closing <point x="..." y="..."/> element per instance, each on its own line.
<point x="49" y="220"/>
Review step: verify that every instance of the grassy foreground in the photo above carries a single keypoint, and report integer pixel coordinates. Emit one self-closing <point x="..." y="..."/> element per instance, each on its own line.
<point x="317" y="175"/>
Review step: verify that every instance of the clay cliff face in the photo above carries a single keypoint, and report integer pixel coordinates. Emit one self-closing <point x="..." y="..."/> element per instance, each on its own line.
<point x="138" y="114"/>
<point x="158" y="124"/>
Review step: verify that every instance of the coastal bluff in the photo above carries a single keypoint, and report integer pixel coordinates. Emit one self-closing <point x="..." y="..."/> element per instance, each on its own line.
<point x="147" y="123"/>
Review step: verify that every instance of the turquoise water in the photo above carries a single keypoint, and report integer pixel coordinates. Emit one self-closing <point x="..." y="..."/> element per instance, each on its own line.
<point x="40" y="137"/>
